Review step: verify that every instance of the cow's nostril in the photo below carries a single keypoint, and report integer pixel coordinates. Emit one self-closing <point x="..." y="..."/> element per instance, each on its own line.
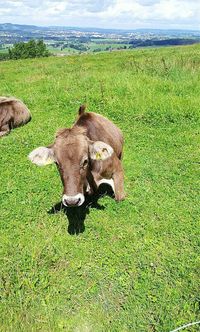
<point x="76" y="201"/>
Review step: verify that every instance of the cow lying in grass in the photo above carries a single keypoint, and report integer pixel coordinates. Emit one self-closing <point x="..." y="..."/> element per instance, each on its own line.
<point x="13" y="113"/>
<point x="87" y="155"/>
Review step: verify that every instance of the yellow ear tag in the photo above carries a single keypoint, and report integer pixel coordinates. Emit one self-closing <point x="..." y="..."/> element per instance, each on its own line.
<point x="98" y="156"/>
<point x="48" y="161"/>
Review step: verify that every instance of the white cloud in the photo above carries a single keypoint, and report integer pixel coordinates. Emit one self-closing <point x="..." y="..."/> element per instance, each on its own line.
<point x="107" y="13"/>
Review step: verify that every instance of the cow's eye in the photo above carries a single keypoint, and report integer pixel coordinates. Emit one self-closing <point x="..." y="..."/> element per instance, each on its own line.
<point x="84" y="163"/>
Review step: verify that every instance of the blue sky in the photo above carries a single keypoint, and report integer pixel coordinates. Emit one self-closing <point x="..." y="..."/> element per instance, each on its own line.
<point x="123" y="14"/>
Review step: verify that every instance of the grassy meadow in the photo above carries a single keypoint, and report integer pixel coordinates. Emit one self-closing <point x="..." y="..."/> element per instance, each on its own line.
<point x="89" y="47"/>
<point x="129" y="266"/>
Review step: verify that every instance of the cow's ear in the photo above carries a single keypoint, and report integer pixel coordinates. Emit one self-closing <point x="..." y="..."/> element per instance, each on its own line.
<point x="100" y="150"/>
<point x="42" y="156"/>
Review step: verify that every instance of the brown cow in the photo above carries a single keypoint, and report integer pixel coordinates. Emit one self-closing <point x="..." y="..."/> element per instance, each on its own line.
<point x="86" y="155"/>
<point x="13" y="113"/>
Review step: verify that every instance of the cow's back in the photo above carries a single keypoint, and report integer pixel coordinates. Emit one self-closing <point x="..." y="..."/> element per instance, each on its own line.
<point x="13" y="112"/>
<point x="100" y="128"/>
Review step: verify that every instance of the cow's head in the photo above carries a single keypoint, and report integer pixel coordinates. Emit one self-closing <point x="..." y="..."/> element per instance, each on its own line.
<point x="72" y="152"/>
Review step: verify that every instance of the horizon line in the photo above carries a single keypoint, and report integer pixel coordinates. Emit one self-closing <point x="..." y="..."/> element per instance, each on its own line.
<point x="90" y="27"/>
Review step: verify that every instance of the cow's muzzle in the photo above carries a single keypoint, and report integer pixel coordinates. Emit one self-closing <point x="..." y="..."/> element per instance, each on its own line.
<point x="76" y="200"/>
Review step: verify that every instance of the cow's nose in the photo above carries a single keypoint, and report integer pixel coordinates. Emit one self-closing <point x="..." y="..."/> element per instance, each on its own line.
<point x="73" y="200"/>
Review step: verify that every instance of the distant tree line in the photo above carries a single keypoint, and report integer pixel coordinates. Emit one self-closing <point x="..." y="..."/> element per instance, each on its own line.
<point x="78" y="47"/>
<point x="165" y="42"/>
<point x="31" y="49"/>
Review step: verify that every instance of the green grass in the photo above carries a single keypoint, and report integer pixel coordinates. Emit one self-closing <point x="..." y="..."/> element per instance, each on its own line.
<point x="104" y="47"/>
<point x="57" y="50"/>
<point x="91" y="47"/>
<point x="136" y="265"/>
<point x="4" y="51"/>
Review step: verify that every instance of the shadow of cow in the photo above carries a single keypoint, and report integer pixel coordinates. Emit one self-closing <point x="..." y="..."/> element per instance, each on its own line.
<point x="76" y="215"/>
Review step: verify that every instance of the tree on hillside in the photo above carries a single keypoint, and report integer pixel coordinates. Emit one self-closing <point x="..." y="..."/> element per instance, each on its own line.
<point x="41" y="49"/>
<point x="31" y="49"/>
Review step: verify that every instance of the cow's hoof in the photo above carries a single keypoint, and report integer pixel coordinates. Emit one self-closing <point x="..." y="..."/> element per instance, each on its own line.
<point x="119" y="198"/>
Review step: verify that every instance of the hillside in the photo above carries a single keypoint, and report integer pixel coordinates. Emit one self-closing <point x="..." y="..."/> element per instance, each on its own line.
<point x="131" y="266"/>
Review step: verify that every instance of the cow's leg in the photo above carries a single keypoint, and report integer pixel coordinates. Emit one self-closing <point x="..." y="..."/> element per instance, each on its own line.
<point x="118" y="178"/>
<point x="4" y="130"/>
<point x="110" y="182"/>
<point x="92" y="185"/>
<point x="100" y="180"/>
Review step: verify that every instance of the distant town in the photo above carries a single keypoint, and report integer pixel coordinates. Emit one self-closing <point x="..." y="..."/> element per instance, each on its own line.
<point x="70" y="40"/>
